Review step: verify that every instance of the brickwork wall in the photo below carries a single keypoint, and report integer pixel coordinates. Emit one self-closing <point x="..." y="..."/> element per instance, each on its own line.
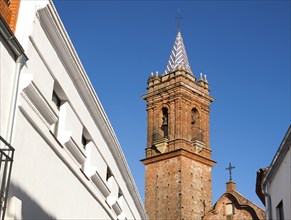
<point x="196" y="189"/>
<point x="163" y="189"/>
<point x="177" y="187"/>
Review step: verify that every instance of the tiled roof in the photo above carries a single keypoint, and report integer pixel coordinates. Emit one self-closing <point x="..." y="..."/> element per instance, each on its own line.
<point x="178" y="58"/>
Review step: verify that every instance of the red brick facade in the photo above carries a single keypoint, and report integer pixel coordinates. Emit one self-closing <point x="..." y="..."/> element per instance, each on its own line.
<point x="233" y="206"/>
<point x="178" y="155"/>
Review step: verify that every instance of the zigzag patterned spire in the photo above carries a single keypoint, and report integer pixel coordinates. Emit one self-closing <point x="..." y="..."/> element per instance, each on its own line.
<point x="178" y="58"/>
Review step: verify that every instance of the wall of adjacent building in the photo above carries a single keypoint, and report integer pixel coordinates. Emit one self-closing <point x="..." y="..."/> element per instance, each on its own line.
<point x="279" y="187"/>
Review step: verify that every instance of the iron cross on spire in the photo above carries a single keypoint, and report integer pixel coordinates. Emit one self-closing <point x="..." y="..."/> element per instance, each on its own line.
<point x="179" y="19"/>
<point x="230" y="168"/>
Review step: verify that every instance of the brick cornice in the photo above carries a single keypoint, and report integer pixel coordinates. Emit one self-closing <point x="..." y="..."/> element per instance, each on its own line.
<point x="179" y="87"/>
<point x="178" y="153"/>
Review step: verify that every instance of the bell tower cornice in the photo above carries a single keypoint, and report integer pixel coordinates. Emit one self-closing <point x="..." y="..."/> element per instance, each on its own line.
<point x="177" y="79"/>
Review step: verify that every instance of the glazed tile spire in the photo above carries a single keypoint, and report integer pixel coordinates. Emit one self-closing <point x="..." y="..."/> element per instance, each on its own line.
<point x="178" y="58"/>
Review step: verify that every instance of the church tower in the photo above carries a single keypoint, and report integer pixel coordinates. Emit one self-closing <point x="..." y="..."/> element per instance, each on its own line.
<point x="178" y="156"/>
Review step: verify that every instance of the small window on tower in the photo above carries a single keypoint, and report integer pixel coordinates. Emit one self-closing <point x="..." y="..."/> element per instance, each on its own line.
<point x="194" y="116"/>
<point x="165" y="119"/>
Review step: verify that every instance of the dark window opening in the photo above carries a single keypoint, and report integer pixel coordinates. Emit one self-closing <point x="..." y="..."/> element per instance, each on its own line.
<point x="84" y="141"/>
<point x="165" y="122"/>
<point x="109" y="174"/>
<point x="280" y="211"/>
<point x="120" y="193"/>
<point x="56" y="99"/>
<point x="194" y="115"/>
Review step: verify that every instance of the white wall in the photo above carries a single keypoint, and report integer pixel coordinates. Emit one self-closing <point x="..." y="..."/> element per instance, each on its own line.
<point x="279" y="187"/>
<point x="7" y="76"/>
<point x="53" y="175"/>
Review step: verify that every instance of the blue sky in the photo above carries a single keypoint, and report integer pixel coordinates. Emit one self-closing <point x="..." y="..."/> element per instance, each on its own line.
<point x="242" y="46"/>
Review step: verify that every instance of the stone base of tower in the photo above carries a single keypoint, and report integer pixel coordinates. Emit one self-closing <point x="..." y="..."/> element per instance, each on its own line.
<point x="178" y="185"/>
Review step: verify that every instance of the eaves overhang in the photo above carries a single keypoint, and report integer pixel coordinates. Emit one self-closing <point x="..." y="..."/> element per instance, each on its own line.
<point x="278" y="158"/>
<point x="11" y="40"/>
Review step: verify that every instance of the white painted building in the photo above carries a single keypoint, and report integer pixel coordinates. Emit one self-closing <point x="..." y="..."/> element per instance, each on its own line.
<point x="276" y="185"/>
<point x="12" y="59"/>
<point x="68" y="163"/>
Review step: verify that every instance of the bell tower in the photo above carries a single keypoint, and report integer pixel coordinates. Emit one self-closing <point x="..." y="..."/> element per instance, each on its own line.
<point x="178" y="156"/>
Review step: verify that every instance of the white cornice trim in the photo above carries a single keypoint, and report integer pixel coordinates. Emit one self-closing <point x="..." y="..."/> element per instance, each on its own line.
<point x="40" y="105"/>
<point x="60" y="40"/>
<point x="101" y="185"/>
<point x="75" y="150"/>
<point x="117" y="209"/>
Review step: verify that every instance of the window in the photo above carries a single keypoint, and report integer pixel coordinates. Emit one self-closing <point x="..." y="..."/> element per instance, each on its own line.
<point x="197" y="133"/>
<point x="280" y="211"/>
<point x="229" y="209"/>
<point x="120" y="193"/>
<point x="194" y="116"/>
<point x="86" y="137"/>
<point x="84" y="141"/>
<point x="56" y="99"/>
<point x="109" y="174"/>
<point x="165" y="119"/>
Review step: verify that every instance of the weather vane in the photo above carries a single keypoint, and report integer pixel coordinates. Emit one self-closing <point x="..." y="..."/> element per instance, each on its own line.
<point x="179" y="19"/>
<point x="230" y="168"/>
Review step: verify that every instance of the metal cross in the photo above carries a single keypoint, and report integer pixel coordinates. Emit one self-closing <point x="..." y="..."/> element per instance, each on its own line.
<point x="179" y="19"/>
<point x="230" y="168"/>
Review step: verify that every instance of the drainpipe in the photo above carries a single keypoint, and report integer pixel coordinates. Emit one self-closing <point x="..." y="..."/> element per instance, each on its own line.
<point x="269" y="203"/>
<point x="20" y="62"/>
<point x="18" y="51"/>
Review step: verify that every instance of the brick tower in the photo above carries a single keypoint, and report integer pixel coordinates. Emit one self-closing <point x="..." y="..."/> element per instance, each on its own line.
<point x="178" y="156"/>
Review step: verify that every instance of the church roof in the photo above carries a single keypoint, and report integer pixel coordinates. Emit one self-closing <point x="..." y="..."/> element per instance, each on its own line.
<point x="241" y="207"/>
<point x="178" y="58"/>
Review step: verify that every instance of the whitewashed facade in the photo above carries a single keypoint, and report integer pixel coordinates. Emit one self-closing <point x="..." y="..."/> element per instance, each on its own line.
<point x="68" y="163"/>
<point x="12" y="59"/>
<point x="276" y="185"/>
